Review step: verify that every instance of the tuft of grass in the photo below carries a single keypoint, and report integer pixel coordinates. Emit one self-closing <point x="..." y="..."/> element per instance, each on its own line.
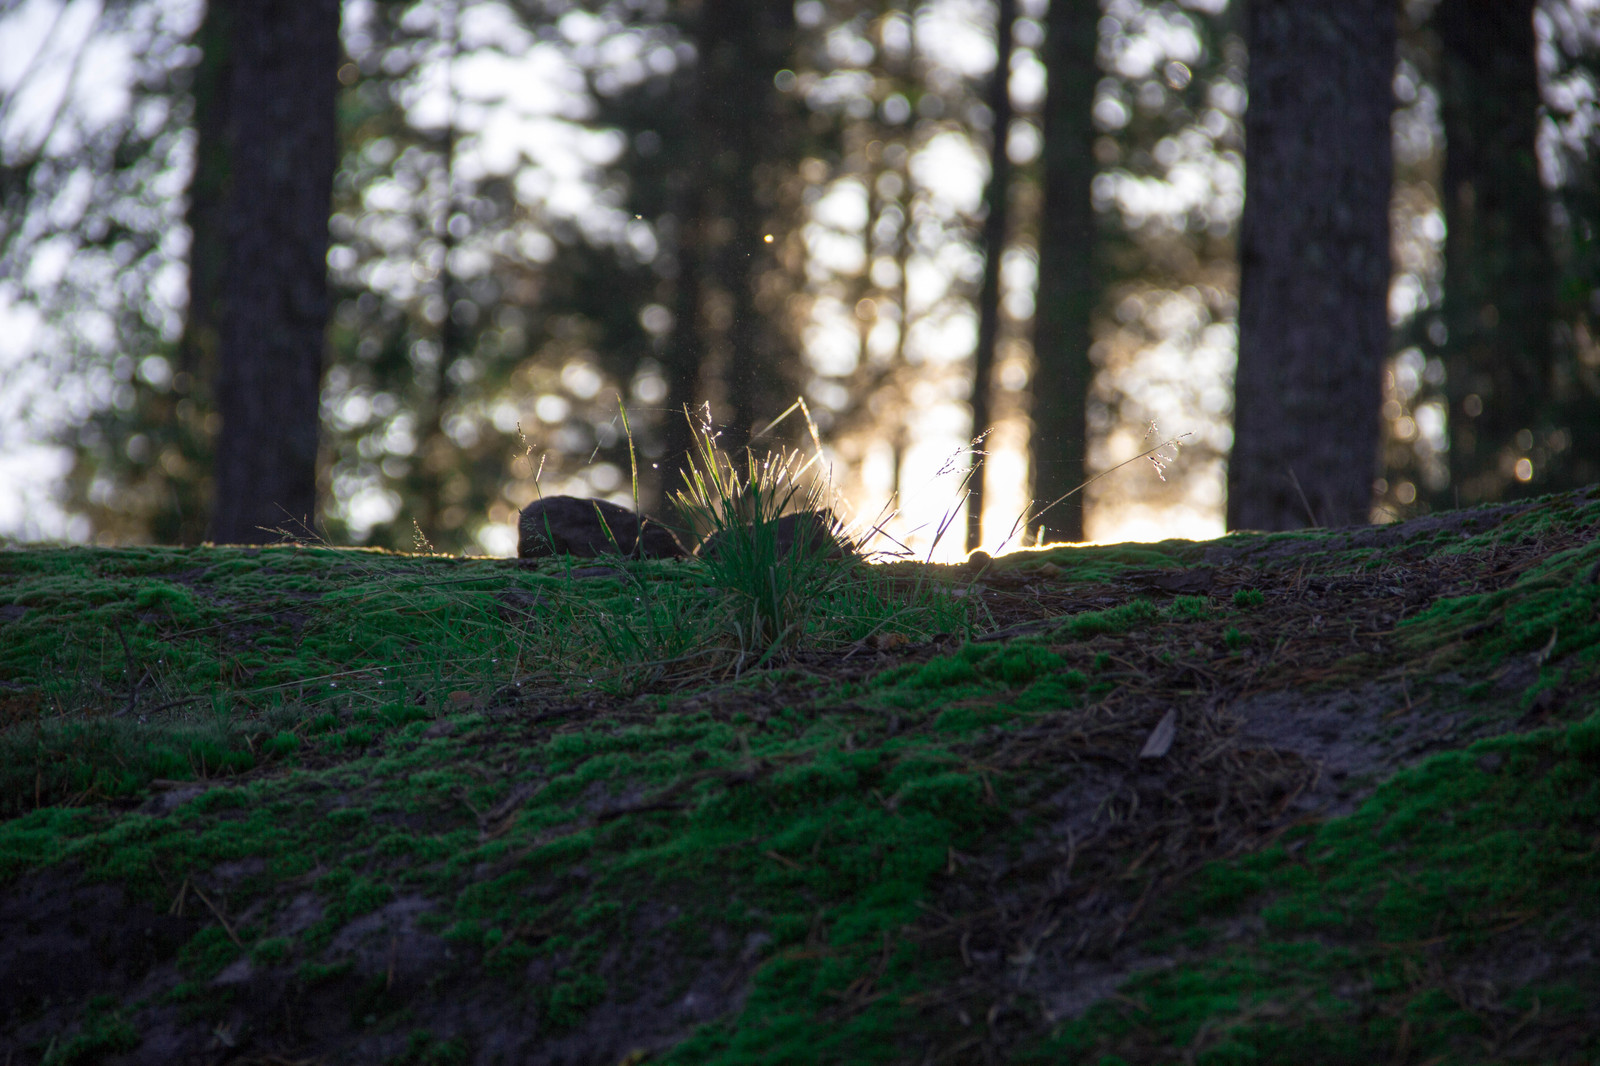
<point x="771" y="591"/>
<point x="1246" y="598"/>
<point x="757" y="596"/>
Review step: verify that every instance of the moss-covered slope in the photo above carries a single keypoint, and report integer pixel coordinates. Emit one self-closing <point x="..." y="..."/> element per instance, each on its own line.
<point x="1323" y="797"/>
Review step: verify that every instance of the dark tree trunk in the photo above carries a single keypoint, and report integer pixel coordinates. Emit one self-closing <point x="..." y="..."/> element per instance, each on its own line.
<point x="1069" y="284"/>
<point x="742" y="44"/>
<point x="762" y="363"/>
<point x="281" y="144"/>
<point x="213" y="77"/>
<point x="439" y="459"/>
<point x="685" y="346"/>
<point x="1499" y="278"/>
<point x="997" y="202"/>
<point x="1313" y="262"/>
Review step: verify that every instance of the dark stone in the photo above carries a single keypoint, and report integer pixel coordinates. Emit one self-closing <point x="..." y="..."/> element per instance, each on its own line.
<point x="567" y="525"/>
<point x="811" y="527"/>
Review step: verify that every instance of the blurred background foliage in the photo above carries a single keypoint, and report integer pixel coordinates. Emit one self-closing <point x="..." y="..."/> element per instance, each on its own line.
<point x="546" y="208"/>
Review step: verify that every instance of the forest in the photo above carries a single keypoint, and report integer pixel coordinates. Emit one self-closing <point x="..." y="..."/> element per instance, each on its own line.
<point x="1141" y="461"/>
<point x="381" y="274"/>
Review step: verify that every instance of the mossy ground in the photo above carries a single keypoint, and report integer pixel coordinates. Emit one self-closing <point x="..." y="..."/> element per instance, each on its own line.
<point x="352" y="806"/>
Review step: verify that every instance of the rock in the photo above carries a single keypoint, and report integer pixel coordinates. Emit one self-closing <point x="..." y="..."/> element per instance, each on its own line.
<point x="814" y="527"/>
<point x="567" y="525"/>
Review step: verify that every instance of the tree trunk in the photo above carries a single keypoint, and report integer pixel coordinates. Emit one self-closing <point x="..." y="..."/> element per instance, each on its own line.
<point x="281" y="144"/>
<point x="742" y="44"/>
<point x="186" y="516"/>
<point x="997" y="202"/>
<point x="1069" y="284"/>
<point x="438" y="458"/>
<point x="1499" y="278"/>
<point x="685" y="347"/>
<point x="1313" y="262"/>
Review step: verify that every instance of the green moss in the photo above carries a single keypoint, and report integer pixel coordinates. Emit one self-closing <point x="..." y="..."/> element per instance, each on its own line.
<point x="1111" y="621"/>
<point x="175" y="601"/>
<point x="103" y="1031"/>
<point x="1583" y="740"/>
<point x="207" y="952"/>
<point x="1548" y="611"/>
<point x="424" y="1049"/>
<point x="1104" y="562"/>
<point x="1438" y="863"/>
<point x="270" y="951"/>
<point x="570" y="998"/>
<point x="312" y="974"/>
<point x="394" y="754"/>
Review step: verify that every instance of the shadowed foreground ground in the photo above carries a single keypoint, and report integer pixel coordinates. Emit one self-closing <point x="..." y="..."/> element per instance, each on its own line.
<point x="1312" y="798"/>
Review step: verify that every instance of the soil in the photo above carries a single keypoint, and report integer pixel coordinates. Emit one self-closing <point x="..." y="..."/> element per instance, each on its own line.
<point x="1274" y="689"/>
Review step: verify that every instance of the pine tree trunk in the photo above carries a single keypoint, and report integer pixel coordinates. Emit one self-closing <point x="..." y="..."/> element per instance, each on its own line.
<point x="685" y="346"/>
<point x="1314" y="263"/>
<point x="1069" y="284"/>
<point x="281" y="143"/>
<point x="1499" y="278"/>
<point x="742" y="45"/>
<point x="185" y="518"/>
<point x="997" y="202"/>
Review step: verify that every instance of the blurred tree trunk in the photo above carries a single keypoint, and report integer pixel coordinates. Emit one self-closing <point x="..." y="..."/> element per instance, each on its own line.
<point x="742" y="44"/>
<point x="1313" y="262"/>
<point x="439" y="458"/>
<point x="280" y="144"/>
<point x="1069" y="284"/>
<point x="686" y="344"/>
<point x="186" y="518"/>
<point x="1500" y="274"/>
<point x="997" y="202"/>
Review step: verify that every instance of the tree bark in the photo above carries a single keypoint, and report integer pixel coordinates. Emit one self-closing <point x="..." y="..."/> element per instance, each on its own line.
<point x="438" y="458"/>
<point x="1500" y="277"/>
<point x="1314" y="263"/>
<point x="1069" y="283"/>
<point x="997" y="202"/>
<point x="742" y="44"/>
<point x="681" y="357"/>
<point x="281" y="143"/>
<point x="185" y="517"/>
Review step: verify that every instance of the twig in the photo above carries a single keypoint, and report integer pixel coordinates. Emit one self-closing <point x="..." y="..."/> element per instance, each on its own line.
<point x="1017" y="630"/>
<point x="1303" y="501"/>
<point x="127" y="653"/>
<point x="226" y="928"/>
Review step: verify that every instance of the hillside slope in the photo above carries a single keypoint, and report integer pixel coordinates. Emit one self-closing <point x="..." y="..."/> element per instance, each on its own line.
<point x="1327" y="797"/>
